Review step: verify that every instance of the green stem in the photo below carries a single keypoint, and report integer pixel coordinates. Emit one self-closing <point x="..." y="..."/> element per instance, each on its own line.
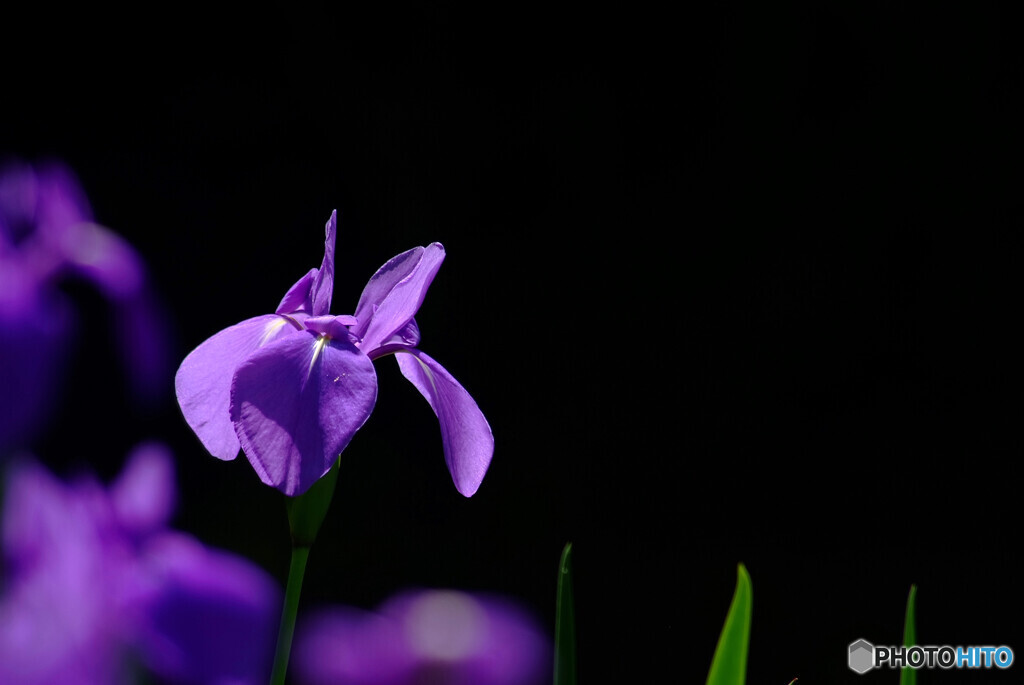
<point x="296" y="571"/>
<point x="305" y="514"/>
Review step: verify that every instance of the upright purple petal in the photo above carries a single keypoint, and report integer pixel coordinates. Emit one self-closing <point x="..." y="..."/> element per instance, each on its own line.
<point x="47" y="233"/>
<point x="323" y="285"/>
<point x="203" y="382"/>
<point x="60" y="201"/>
<point x="394" y="294"/>
<point x="296" y="404"/>
<point x="297" y="297"/>
<point x="311" y="294"/>
<point x="40" y="203"/>
<point x="18" y="193"/>
<point x="143" y="496"/>
<point x="383" y="281"/>
<point x="465" y="433"/>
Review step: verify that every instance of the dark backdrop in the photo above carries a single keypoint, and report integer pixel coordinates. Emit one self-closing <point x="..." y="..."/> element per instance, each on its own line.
<point x="731" y="285"/>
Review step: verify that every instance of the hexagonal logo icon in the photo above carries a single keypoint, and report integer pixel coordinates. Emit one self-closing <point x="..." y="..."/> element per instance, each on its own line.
<point x="862" y="656"/>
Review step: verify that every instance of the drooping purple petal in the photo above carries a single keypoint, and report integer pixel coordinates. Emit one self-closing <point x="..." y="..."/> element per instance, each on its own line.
<point x="45" y="206"/>
<point x="394" y="294"/>
<point x="465" y="433"/>
<point x="296" y="404"/>
<point x="203" y="382"/>
<point x="100" y="256"/>
<point x="210" y="617"/>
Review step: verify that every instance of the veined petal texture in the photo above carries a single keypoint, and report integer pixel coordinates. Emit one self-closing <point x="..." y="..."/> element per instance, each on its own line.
<point x="203" y="382"/>
<point x="394" y="294"/>
<point x="465" y="433"/>
<point x="296" y="404"/>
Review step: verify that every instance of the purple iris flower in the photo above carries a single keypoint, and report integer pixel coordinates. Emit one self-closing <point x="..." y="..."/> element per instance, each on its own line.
<point x="442" y="637"/>
<point x="47" y="236"/>
<point x="292" y="388"/>
<point x="96" y="586"/>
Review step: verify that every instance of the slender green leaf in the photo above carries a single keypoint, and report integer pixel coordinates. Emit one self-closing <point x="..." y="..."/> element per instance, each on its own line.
<point x="908" y="676"/>
<point x="729" y="665"/>
<point x="565" y="623"/>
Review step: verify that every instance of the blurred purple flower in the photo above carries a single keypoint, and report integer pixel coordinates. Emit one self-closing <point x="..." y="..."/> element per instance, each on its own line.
<point x="96" y="582"/>
<point x="440" y="637"/>
<point x="47" y="235"/>
<point x="292" y="388"/>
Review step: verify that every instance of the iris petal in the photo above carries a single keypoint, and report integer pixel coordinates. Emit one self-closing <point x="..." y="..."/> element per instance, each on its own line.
<point x="211" y="617"/>
<point x="143" y="495"/>
<point x="323" y="285"/>
<point x="203" y="382"/>
<point x="296" y="404"/>
<point x="311" y="294"/>
<point x="394" y="294"/>
<point x="297" y="297"/>
<point x="383" y="281"/>
<point x="465" y="433"/>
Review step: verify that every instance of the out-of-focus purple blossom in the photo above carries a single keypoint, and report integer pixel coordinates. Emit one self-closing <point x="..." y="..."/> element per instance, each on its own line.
<point x="292" y="388"/>
<point x="47" y="235"/>
<point x="436" y="637"/>
<point x="97" y="586"/>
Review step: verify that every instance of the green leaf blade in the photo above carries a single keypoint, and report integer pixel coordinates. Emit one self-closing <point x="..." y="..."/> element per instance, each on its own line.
<point x="729" y="665"/>
<point x="908" y="676"/>
<point x="565" y="622"/>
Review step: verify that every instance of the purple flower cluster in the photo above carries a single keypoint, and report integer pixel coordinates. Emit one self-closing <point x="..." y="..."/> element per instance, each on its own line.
<point x="292" y="388"/>
<point x="441" y="637"/>
<point x="99" y="590"/>
<point x="96" y="582"/>
<point x="48" y="236"/>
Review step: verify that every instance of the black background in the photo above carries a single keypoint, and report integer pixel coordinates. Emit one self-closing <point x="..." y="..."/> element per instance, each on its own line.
<point x="737" y="284"/>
